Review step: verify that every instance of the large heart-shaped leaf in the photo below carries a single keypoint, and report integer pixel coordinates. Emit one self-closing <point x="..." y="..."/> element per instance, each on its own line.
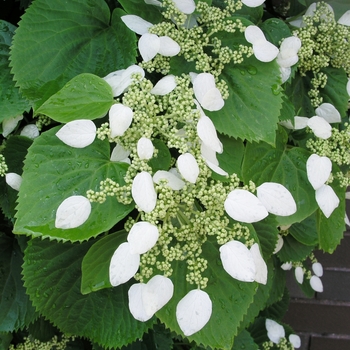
<point x="57" y="40"/>
<point x="53" y="172"/>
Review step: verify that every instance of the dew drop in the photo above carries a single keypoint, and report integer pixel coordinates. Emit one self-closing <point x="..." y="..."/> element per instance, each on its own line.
<point x="252" y="70"/>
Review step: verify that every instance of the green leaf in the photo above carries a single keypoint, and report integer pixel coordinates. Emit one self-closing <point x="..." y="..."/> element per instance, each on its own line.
<point x="335" y="90"/>
<point x="95" y="265"/>
<point x="244" y="341"/>
<point x="140" y="8"/>
<point x="231" y="299"/>
<point x="331" y="230"/>
<point x="53" y="172"/>
<point x="86" y="96"/>
<point x="162" y="160"/>
<point x="277" y="310"/>
<point x="293" y="250"/>
<point x="12" y="103"/>
<point x="279" y="283"/>
<point x="56" y="41"/>
<point x="16" y="310"/>
<point x="5" y="340"/>
<point x="253" y="108"/>
<point x="305" y="232"/>
<point x="52" y="274"/>
<point x="275" y="30"/>
<point x="16" y="148"/>
<point x="286" y="166"/>
<point x="42" y="330"/>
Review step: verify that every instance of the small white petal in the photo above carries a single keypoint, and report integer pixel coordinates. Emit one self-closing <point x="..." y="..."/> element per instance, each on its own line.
<point x="13" y="180"/>
<point x="299" y="274"/>
<point x="285" y="73"/>
<point x="327" y="200"/>
<point x="276" y="199"/>
<point x="264" y="51"/>
<point x="120" y="118"/>
<point x="72" y="212"/>
<point x="145" y="148"/>
<point x="164" y="86"/>
<point x="275" y="331"/>
<point x="149" y="45"/>
<point x="253" y="34"/>
<point x="345" y="19"/>
<point x="289" y="45"/>
<point x="286" y="62"/>
<point x="320" y="127"/>
<point x="136" y="24"/>
<point x="287" y="124"/>
<point x="253" y="3"/>
<point x="123" y="265"/>
<point x="348" y="87"/>
<point x="143" y="192"/>
<point x="287" y="266"/>
<point x="242" y="205"/>
<point x="317" y="269"/>
<point x="168" y="47"/>
<point x="238" y="261"/>
<point x="316" y="284"/>
<point x="318" y="170"/>
<point x="193" y="311"/>
<point x="78" y="133"/>
<point x="328" y="112"/>
<point x="120" y="154"/>
<point x="136" y="304"/>
<point x="260" y="264"/>
<point x="300" y="122"/>
<point x="153" y="2"/>
<point x="185" y="6"/>
<point x="216" y="168"/>
<point x="159" y="290"/>
<point x="8" y="125"/>
<point x="174" y="182"/>
<point x="207" y="94"/>
<point x="207" y="133"/>
<point x="209" y="154"/>
<point x="279" y="244"/>
<point x="295" y="340"/>
<point x="188" y="167"/>
<point x="142" y="237"/>
<point x="31" y="131"/>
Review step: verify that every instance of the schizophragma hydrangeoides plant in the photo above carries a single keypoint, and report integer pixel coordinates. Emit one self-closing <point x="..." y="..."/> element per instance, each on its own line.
<point x="164" y="163"/>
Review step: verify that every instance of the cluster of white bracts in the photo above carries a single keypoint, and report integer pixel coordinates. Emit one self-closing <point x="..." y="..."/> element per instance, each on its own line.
<point x="276" y="332"/>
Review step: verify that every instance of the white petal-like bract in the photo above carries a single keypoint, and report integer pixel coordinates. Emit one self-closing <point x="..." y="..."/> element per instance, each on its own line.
<point x="327" y="200"/>
<point x="136" y="304"/>
<point x="174" y="182"/>
<point x="275" y="331"/>
<point x="188" y="167"/>
<point x="287" y="266"/>
<point x="8" y="125"/>
<point x="300" y="122"/>
<point x="193" y="311"/>
<point x="168" y="47"/>
<point x="328" y="112"/>
<point x="142" y="237"/>
<point x="143" y="192"/>
<point x="145" y="148"/>
<point x="253" y="34"/>
<point x="31" y="131"/>
<point x="148" y="45"/>
<point x="317" y="268"/>
<point x="136" y="24"/>
<point x="279" y="244"/>
<point x="164" y="86"/>
<point x="316" y="284"/>
<point x="185" y="6"/>
<point x="120" y="118"/>
<point x="345" y="19"/>
<point x="13" y="180"/>
<point x="320" y="127"/>
<point x="238" y="261"/>
<point x="265" y="51"/>
<point x="78" y="133"/>
<point x="295" y="340"/>
<point x="253" y="3"/>
<point x="260" y="264"/>
<point x="242" y="205"/>
<point x="299" y="274"/>
<point x="318" y="170"/>
<point x="120" y="154"/>
<point x="72" y="212"/>
<point x="207" y="133"/>
<point x="123" y="265"/>
<point x="276" y="199"/>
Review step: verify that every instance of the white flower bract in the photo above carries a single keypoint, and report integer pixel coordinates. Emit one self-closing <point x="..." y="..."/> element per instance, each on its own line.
<point x="193" y="311"/>
<point x="13" y="180"/>
<point x="143" y="192"/>
<point x="31" y="131"/>
<point x="207" y="133"/>
<point x="275" y="331"/>
<point x="185" y="6"/>
<point x="327" y="200"/>
<point x="136" y="24"/>
<point x="253" y="3"/>
<point x="145" y="148"/>
<point x="345" y="19"/>
<point x="317" y="269"/>
<point x="318" y="170"/>
<point x="299" y="274"/>
<point x="142" y="237"/>
<point x="120" y="154"/>
<point x="120" y="118"/>
<point x="78" y="133"/>
<point x="316" y="284"/>
<point x="164" y="86"/>
<point x="188" y="167"/>
<point x="260" y="264"/>
<point x="173" y="181"/>
<point x="72" y="212"/>
<point x="320" y="127"/>
<point x="328" y="112"/>
<point x="295" y="340"/>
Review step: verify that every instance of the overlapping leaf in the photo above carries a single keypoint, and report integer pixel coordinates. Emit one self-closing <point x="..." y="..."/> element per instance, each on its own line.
<point x="52" y="274"/>
<point x="53" y="172"/>
<point x="58" y="40"/>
